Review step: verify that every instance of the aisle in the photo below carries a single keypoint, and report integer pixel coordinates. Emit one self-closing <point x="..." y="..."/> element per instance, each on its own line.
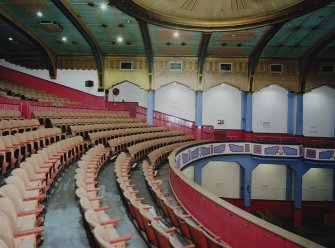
<point x="109" y="191"/>
<point x="63" y="221"/>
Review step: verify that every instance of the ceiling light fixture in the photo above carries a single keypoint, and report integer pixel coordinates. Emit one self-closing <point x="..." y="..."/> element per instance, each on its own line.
<point x="10" y="38"/>
<point x="127" y="21"/>
<point x="119" y="39"/>
<point x="39" y="14"/>
<point x="64" y="39"/>
<point x="175" y="34"/>
<point x="103" y="6"/>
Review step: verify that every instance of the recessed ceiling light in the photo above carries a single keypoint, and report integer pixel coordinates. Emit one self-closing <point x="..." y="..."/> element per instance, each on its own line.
<point x="127" y="21"/>
<point x="64" y="39"/>
<point x="175" y="34"/>
<point x="119" y="39"/>
<point x="103" y="6"/>
<point x="39" y="14"/>
<point x="10" y="38"/>
<point x="233" y="35"/>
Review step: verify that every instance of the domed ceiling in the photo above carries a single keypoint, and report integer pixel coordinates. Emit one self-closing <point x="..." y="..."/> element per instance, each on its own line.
<point x="215" y="14"/>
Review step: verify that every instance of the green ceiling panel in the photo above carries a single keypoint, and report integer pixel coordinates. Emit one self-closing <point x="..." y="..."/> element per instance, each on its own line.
<point x="109" y="24"/>
<point x="52" y="39"/>
<point x="165" y="44"/>
<point x="296" y="36"/>
<point x="234" y="43"/>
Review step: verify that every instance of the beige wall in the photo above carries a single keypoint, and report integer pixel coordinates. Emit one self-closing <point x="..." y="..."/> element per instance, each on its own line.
<point x="189" y="172"/>
<point x="269" y="182"/>
<point x="288" y="79"/>
<point x="238" y="77"/>
<point x="188" y="76"/>
<point x="222" y="179"/>
<point x="113" y="75"/>
<point x="317" y="185"/>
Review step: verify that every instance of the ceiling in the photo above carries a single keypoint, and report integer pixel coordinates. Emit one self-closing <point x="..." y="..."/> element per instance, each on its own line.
<point x="235" y="32"/>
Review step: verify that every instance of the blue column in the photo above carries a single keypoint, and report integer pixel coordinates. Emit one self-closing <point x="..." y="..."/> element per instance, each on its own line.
<point x="248" y="116"/>
<point x="198" y="171"/>
<point x="247" y="187"/>
<point x="243" y="109"/>
<point x="290" y="98"/>
<point x="300" y="115"/>
<point x="198" y="108"/>
<point x="298" y="189"/>
<point x="288" y="184"/>
<point x="151" y="106"/>
<point x="241" y="182"/>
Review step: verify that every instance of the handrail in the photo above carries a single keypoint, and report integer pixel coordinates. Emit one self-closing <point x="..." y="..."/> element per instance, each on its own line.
<point x="177" y="175"/>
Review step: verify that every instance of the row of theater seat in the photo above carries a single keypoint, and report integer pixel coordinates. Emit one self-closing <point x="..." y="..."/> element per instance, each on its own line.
<point x="99" y="223"/>
<point x="104" y="136"/>
<point x="178" y="217"/>
<point x="86" y="121"/>
<point x="76" y="115"/>
<point x="140" y="150"/>
<point x="7" y="114"/>
<point x="18" y="126"/>
<point x="156" y="157"/>
<point x="86" y="129"/>
<point x="151" y="225"/>
<point x="120" y="144"/>
<point x="21" y="202"/>
<point x="15" y="148"/>
<point x="27" y="93"/>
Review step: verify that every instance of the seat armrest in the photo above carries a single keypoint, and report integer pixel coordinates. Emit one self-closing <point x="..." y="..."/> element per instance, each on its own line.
<point x="36" y="230"/>
<point x="120" y="239"/>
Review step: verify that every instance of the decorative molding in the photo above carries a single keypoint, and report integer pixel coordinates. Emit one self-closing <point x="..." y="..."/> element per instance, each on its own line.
<point x="190" y="154"/>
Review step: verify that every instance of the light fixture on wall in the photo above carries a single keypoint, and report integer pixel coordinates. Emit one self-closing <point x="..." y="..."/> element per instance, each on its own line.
<point x="39" y="14"/>
<point x="175" y="34"/>
<point x="64" y="39"/>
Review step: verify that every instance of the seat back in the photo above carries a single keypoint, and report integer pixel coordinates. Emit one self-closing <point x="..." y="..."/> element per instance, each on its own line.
<point x="85" y="204"/>
<point x="22" y="173"/>
<point x="12" y="193"/>
<point x="6" y="233"/>
<point x="101" y="236"/>
<point x="92" y="218"/>
<point x="161" y="235"/>
<point x="3" y="244"/>
<point x="8" y="208"/>
<point x="18" y="183"/>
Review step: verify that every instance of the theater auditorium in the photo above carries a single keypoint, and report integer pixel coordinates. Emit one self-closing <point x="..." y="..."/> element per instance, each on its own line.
<point x="167" y="123"/>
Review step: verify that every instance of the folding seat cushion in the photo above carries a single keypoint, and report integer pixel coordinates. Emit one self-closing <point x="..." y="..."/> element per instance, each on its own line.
<point x="86" y="204"/>
<point x="95" y="219"/>
<point x="163" y="236"/>
<point x="36" y="179"/>
<point x="26" y="193"/>
<point x="3" y="161"/>
<point x="91" y="194"/>
<point x="24" y="142"/>
<point x="21" y="205"/>
<point x="109" y="240"/>
<point x="31" y="141"/>
<point x="12" y="152"/>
